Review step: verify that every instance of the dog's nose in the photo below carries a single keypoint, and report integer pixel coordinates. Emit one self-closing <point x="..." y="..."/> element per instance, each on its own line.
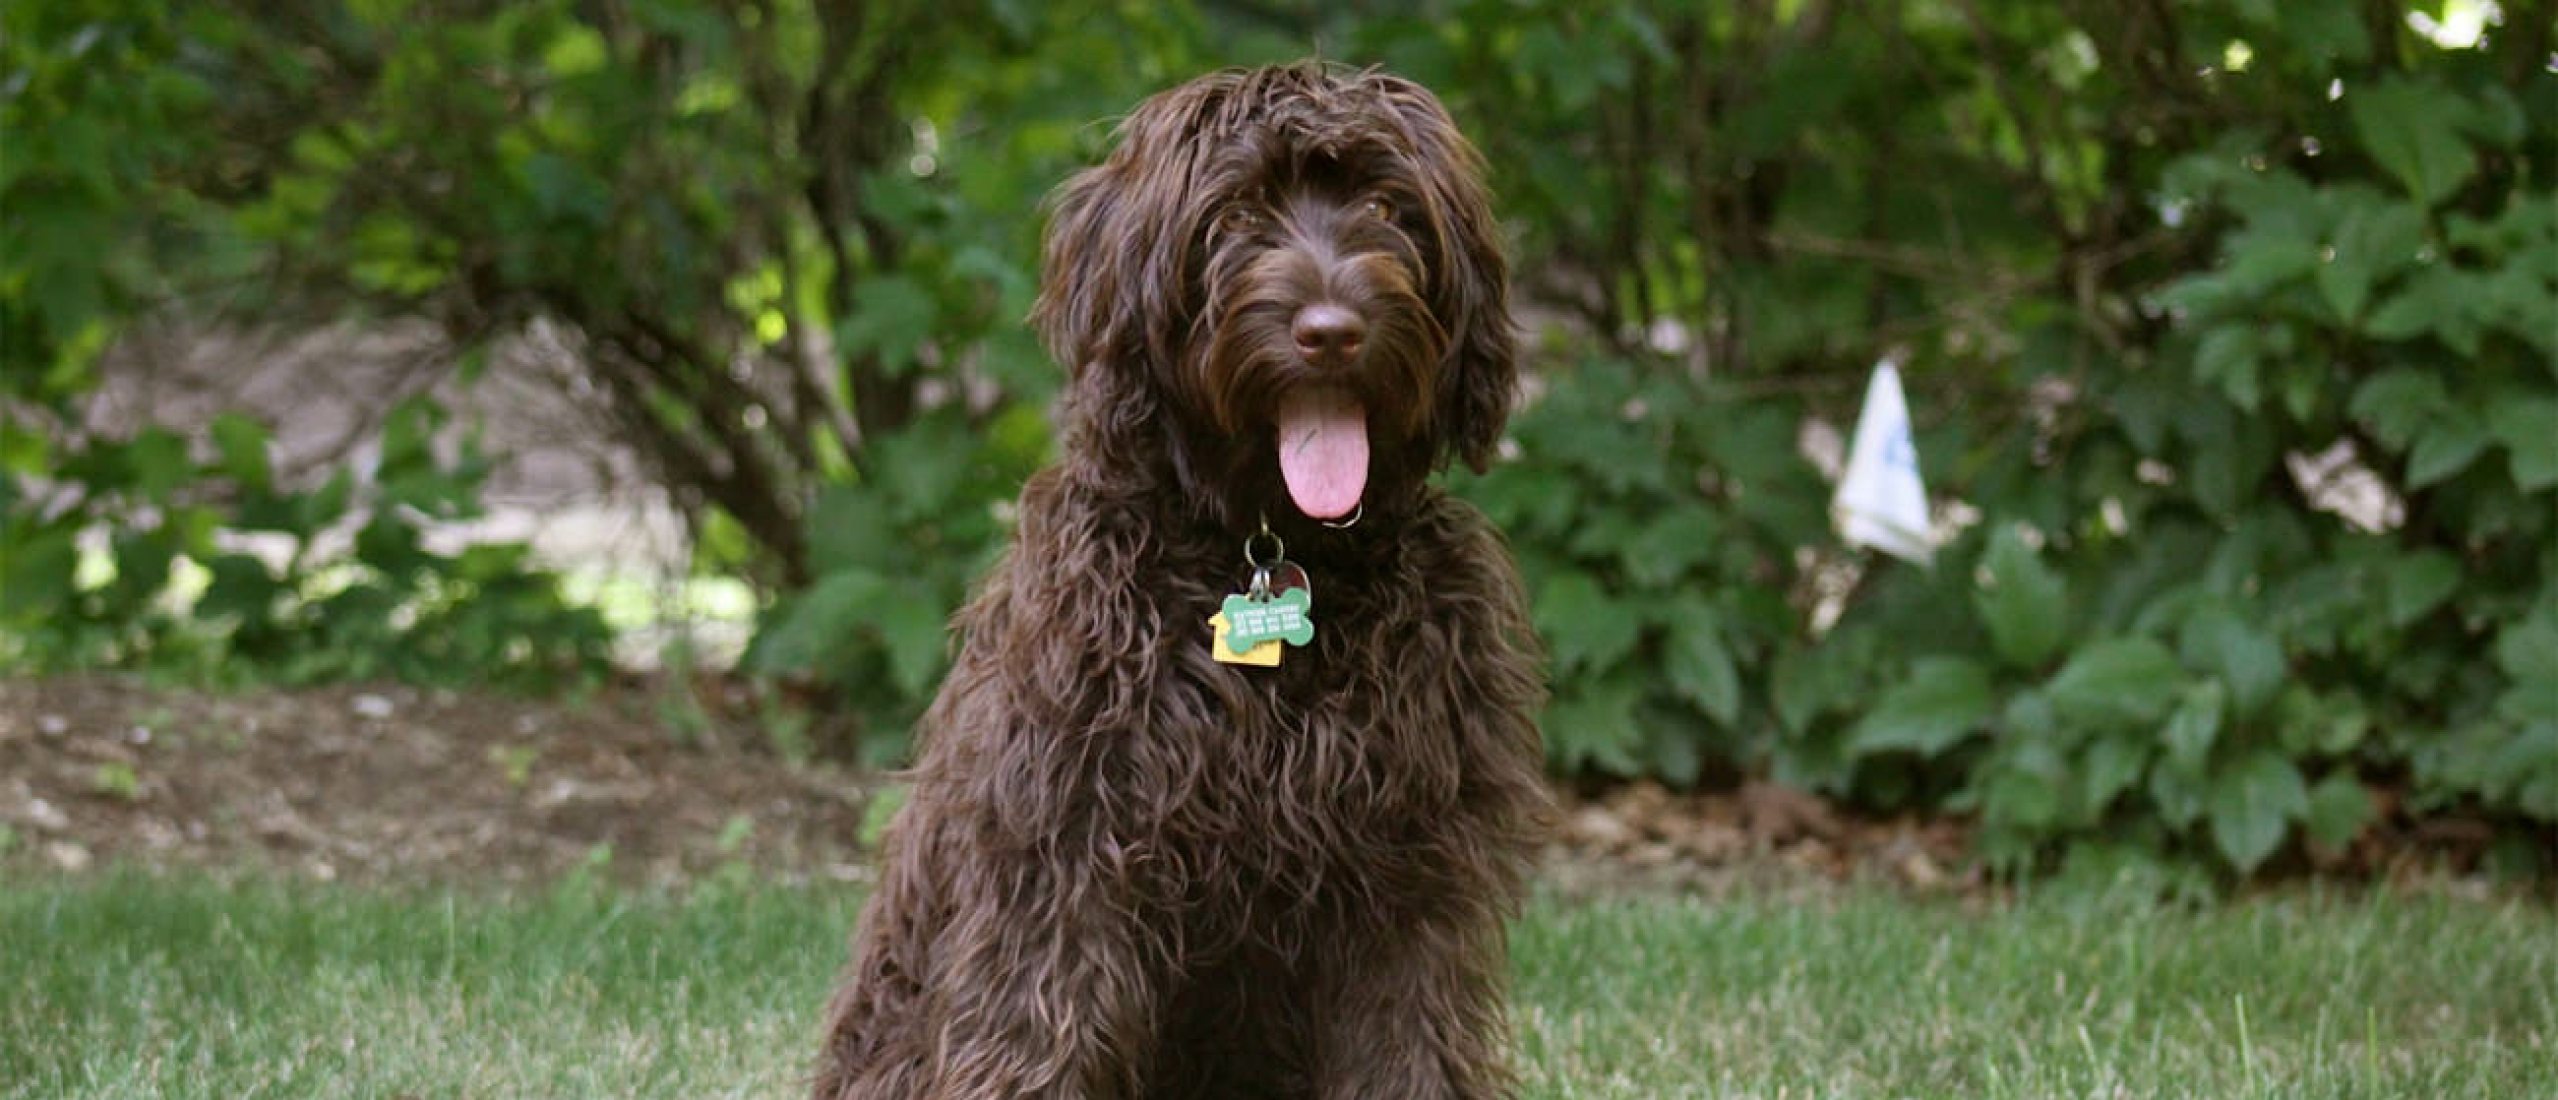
<point x="1328" y="334"/>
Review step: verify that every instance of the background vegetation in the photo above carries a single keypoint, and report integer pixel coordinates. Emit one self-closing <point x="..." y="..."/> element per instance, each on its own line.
<point x="2230" y="329"/>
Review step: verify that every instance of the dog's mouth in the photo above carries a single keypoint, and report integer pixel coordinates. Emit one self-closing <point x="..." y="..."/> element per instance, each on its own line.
<point x="1323" y="449"/>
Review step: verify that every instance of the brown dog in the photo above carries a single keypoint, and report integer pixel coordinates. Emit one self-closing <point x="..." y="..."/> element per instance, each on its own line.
<point x="1139" y="860"/>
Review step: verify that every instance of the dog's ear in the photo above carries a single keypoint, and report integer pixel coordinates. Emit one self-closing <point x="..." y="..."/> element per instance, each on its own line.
<point x="1113" y="266"/>
<point x="1469" y="277"/>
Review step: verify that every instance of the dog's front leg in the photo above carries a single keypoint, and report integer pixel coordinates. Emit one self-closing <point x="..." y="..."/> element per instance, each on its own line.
<point x="1411" y="1010"/>
<point x="1046" y="988"/>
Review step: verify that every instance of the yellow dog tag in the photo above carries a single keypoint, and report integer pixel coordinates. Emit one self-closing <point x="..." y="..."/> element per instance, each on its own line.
<point x="1265" y="655"/>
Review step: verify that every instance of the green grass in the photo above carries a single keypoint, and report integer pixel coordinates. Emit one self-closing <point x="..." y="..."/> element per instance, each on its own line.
<point x="132" y="986"/>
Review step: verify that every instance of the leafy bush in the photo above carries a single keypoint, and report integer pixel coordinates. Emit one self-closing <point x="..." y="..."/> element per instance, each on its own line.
<point x="1659" y="546"/>
<point x="2172" y="627"/>
<point x="185" y="590"/>
<point x="897" y="557"/>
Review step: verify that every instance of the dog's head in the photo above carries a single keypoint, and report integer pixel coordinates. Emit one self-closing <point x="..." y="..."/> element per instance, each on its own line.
<point x="1299" y="265"/>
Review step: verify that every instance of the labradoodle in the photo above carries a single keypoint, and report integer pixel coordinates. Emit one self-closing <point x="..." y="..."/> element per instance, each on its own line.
<point x="1236" y="775"/>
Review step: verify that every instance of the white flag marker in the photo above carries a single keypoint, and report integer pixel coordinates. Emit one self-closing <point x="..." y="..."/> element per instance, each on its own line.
<point x="1880" y="502"/>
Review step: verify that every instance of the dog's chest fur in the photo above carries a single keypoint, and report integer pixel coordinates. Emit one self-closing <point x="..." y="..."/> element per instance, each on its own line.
<point x="1359" y="751"/>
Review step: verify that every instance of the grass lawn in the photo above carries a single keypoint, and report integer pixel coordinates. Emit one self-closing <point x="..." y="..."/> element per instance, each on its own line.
<point x="130" y="986"/>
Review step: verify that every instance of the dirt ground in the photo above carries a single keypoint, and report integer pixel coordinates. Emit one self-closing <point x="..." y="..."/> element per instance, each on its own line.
<point x="390" y="782"/>
<point x="396" y="783"/>
<point x="393" y="783"/>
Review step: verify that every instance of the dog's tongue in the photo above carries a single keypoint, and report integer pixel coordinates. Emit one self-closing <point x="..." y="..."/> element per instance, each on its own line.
<point x="1323" y="451"/>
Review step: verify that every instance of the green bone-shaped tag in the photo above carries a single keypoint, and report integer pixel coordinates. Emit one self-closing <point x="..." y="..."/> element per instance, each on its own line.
<point x="1283" y="616"/>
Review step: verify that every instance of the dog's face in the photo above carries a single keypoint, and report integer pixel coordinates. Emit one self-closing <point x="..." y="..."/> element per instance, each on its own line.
<point x="1301" y="266"/>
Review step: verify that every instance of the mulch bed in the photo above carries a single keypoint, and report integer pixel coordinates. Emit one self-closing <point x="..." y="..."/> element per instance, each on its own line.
<point x="394" y="783"/>
<point x="391" y="782"/>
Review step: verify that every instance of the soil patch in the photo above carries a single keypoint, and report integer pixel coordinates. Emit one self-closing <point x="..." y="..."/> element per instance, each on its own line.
<point x="389" y="781"/>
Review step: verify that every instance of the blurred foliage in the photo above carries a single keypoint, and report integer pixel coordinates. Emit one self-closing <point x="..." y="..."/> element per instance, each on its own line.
<point x="2170" y="281"/>
<point x="214" y="571"/>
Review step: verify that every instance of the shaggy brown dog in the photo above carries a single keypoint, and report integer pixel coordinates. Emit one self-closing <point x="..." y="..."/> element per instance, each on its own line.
<point x="1128" y="869"/>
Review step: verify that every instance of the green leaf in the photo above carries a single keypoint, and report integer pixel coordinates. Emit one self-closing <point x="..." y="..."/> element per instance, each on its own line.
<point x="1592" y="725"/>
<point x="391" y="546"/>
<point x="2195" y="726"/>
<point x="2418" y="583"/>
<point x="2024" y="789"/>
<point x="566" y="191"/>
<point x="892" y="316"/>
<point x="2324" y="29"/>
<point x="240" y="585"/>
<point x="2272" y="251"/>
<point x="2228" y="357"/>
<point x="2335" y="725"/>
<point x="315" y="510"/>
<point x="1699" y="665"/>
<point x="142" y="560"/>
<point x="2531" y="750"/>
<point x="2024" y="603"/>
<point x="242" y="443"/>
<point x="2527" y="649"/>
<point x="2117" y="683"/>
<point x="2251" y="806"/>
<point x="1671" y="752"/>
<point x="923" y="465"/>
<point x="850" y="525"/>
<point x="22" y="451"/>
<point x="1664" y="549"/>
<point x="35" y="574"/>
<point x="1802" y="685"/>
<point x="2216" y="639"/>
<point x="160" y="463"/>
<point x="2528" y="427"/>
<point x="818" y="624"/>
<point x="2376" y="239"/>
<point x="1526" y="499"/>
<point x="1943" y="700"/>
<point x="2339" y="807"/>
<point x="2232" y="456"/>
<point x="2447" y="446"/>
<point x="2111" y="766"/>
<point x="915" y="627"/>
<point x="2396" y="403"/>
<point x="576" y="51"/>
<point x="2406" y="125"/>
<point x="2178" y="795"/>
<point x="2439" y="300"/>
<point x="1587" y="629"/>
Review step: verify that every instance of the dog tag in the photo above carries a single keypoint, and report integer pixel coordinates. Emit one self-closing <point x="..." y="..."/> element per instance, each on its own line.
<point x="1286" y="576"/>
<point x="1265" y="655"/>
<point x="1277" y="607"/>
<point x="1282" y="616"/>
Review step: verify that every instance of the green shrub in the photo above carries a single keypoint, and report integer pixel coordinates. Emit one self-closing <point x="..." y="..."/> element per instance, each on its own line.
<point x="2325" y="251"/>
<point x="896" y="556"/>
<point x="181" y="591"/>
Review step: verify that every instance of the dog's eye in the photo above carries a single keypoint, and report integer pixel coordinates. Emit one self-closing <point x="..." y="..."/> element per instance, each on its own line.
<point x="1377" y="208"/>
<point x="1241" y="218"/>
